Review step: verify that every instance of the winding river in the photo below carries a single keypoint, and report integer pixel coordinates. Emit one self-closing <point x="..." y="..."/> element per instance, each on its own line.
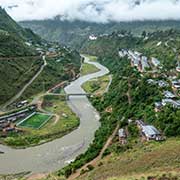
<point x="58" y="153"/>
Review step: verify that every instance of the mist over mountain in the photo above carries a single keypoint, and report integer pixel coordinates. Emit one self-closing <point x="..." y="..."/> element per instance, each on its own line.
<point x="100" y="11"/>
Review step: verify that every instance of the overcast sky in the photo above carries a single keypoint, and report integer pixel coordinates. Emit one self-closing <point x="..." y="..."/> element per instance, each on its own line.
<point x="93" y="10"/>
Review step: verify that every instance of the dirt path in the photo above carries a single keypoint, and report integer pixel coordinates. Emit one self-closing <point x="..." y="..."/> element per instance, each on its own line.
<point x="98" y="158"/>
<point x="13" y="99"/>
<point x="128" y="93"/>
<point x="57" y="86"/>
<point x="19" y="57"/>
<point x="37" y="176"/>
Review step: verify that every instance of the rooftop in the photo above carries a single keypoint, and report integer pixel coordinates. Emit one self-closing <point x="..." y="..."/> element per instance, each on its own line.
<point x="121" y="133"/>
<point x="150" y="130"/>
<point x="169" y="94"/>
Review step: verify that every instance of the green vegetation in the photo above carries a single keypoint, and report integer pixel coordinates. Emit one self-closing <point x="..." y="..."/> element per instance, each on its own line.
<point x="76" y="33"/>
<point x="13" y="38"/>
<point x="143" y="95"/>
<point x="35" y="121"/>
<point x="55" y="72"/>
<point x="88" y="69"/>
<point x="15" y="73"/>
<point x="130" y="96"/>
<point x="92" y="58"/>
<point x="97" y="86"/>
<point x="63" y="122"/>
<point x="18" y="61"/>
<point x="108" y="124"/>
<point x="11" y="45"/>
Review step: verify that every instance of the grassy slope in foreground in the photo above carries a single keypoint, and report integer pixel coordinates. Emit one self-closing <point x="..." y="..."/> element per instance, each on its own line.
<point x="150" y="160"/>
<point x="64" y="122"/>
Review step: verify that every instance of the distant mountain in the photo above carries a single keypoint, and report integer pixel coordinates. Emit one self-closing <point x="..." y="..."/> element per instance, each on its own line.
<point x="13" y="37"/>
<point x="74" y="33"/>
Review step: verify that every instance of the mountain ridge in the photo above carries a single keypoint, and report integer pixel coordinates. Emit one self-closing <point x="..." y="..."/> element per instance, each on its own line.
<point x="75" y="33"/>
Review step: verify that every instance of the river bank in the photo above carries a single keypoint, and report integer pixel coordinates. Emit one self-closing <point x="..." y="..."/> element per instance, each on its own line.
<point x="58" y="153"/>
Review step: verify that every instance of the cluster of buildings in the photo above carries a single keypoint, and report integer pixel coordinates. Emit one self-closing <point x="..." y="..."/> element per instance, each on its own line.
<point x="22" y="103"/>
<point x="170" y="98"/>
<point x="147" y="132"/>
<point x="8" y="122"/>
<point x="139" y="60"/>
<point x="160" y="83"/>
<point x="50" y="49"/>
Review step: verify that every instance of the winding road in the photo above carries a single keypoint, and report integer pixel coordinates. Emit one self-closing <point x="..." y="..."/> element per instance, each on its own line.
<point x="58" y="153"/>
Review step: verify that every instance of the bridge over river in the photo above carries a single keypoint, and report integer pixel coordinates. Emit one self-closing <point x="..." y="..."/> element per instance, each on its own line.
<point x="58" y="153"/>
<point x="67" y="96"/>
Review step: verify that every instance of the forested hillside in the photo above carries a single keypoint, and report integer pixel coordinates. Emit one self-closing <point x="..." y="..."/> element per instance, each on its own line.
<point x="132" y="97"/>
<point x="143" y="98"/>
<point x="76" y="32"/>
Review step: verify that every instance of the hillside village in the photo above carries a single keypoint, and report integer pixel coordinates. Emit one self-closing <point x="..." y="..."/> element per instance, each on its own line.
<point x="171" y="96"/>
<point x="144" y="65"/>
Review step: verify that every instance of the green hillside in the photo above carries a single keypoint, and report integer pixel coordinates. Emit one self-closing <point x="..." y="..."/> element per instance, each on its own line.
<point x="18" y="61"/>
<point x="13" y="38"/>
<point x="12" y="27"/>
<point x="75" y="33"/>
<point x="15" y="73"/>
<point x="131" y="97"/>
<point x="11" y="45"/>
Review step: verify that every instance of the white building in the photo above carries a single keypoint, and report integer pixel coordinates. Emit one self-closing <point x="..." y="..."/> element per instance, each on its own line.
<point x="169" y="94"/>
<point x="178" y="67"/>
<point x="92" y="37"/>
<point x="176" y="84"/>
<point x="123" y="53"/>
<point x="143" y="64"/>
<point x="155" y="62"/>
<point x="151" y="133"/>
<point x="175" y="104"/>
<point x="162" y="83"/>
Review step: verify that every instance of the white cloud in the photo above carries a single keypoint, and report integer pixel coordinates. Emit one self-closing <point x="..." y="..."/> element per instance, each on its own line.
<point x="93" y="10"/>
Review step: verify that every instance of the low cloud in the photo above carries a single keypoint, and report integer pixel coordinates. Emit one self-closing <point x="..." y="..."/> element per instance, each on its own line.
<point x="93" y="10"/>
